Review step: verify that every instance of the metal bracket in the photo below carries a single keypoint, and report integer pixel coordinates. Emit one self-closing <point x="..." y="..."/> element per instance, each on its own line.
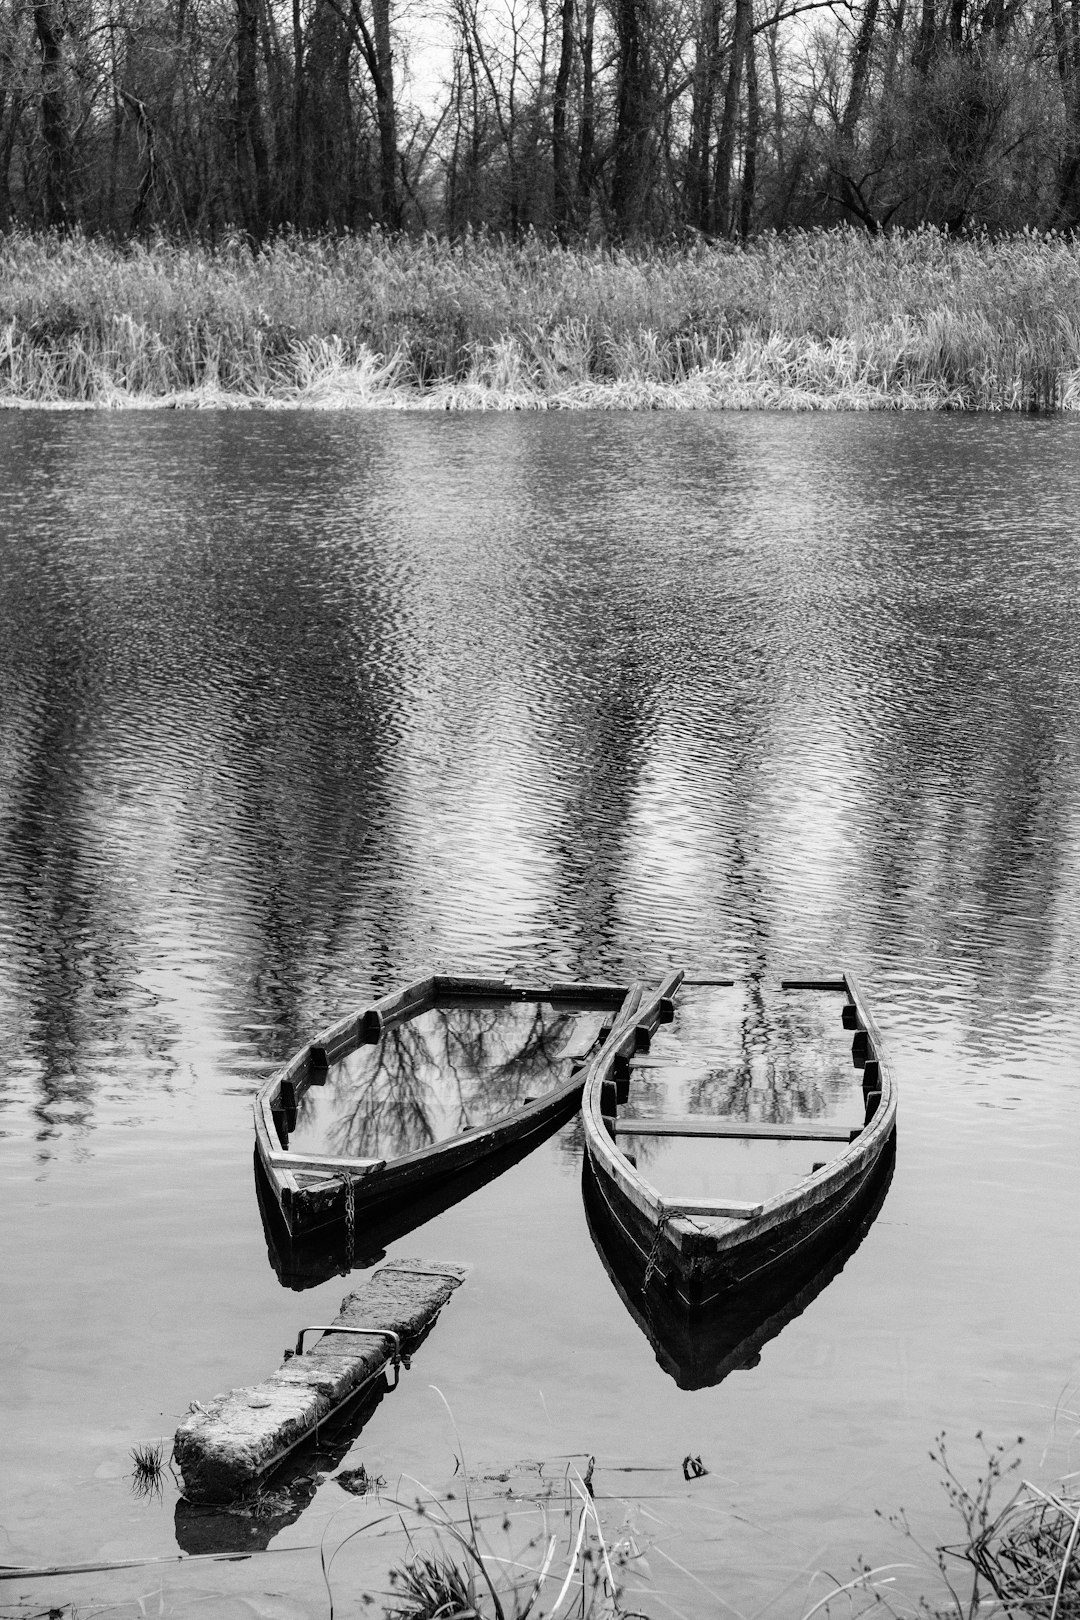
<point x="368" y="1333"/>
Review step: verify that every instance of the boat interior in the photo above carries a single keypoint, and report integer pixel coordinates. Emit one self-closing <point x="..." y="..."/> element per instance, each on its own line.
<point x="751" y="1087"/>
<point x="452" y="1065"/>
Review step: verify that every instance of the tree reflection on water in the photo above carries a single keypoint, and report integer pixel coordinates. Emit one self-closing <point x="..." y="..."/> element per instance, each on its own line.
<point x="430" y="1077"/>
<point x="750" y="1052"/>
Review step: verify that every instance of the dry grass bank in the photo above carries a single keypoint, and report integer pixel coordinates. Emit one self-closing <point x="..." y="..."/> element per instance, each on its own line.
<point x="831" y="320"/>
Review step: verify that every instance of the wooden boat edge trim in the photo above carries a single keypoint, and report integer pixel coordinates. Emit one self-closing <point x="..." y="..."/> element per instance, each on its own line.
<point x="597" y="1141"/>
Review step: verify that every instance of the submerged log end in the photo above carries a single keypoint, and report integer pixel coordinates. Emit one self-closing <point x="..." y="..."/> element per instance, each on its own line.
<point x="223" y="1447"/>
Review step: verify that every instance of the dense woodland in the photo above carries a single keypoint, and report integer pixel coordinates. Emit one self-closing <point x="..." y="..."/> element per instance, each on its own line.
<point x="598" y="120"/>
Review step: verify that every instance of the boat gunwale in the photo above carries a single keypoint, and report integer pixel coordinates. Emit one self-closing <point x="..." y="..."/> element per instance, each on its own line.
<point x="397" y="1007"/>
<point x="726" y="1232"/>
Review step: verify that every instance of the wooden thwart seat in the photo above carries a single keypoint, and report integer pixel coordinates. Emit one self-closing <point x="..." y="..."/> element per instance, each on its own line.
<point x="583" y="1035"/>
<point x="719" y="1125"/>
<point x="734" y="1209"/>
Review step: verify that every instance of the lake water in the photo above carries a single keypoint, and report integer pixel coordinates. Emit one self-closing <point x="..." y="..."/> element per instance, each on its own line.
<point x="295" y="707"/>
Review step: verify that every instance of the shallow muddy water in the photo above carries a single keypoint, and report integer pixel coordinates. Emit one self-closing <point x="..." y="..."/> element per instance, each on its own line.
<point x="293" y="708"/>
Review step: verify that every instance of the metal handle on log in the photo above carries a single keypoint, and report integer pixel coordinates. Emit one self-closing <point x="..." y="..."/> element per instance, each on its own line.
<point x="369" y="1333"/>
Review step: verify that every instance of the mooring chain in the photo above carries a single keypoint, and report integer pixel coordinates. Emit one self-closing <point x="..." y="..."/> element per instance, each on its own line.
<point x="652" y="1262"/>
<point x="350" y="1223"/>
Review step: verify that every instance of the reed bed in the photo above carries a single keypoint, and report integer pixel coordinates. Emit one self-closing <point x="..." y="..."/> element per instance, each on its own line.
<point x="1020" y="1561"/>
<point x="1023" y="1555"/>
<point x="823" y="320"/>
<point x="1027" y="1557"/>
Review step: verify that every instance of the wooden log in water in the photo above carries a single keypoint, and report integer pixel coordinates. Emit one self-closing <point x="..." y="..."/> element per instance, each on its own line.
<point x="226" y="1447"/>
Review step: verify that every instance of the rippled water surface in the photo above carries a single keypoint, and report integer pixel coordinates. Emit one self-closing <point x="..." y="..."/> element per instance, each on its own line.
<point x="293" y="708"/>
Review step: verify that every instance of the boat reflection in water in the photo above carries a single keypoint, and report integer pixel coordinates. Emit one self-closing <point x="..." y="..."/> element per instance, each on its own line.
<point x="700" y="1347"/>
<point x="305" y="1262"/>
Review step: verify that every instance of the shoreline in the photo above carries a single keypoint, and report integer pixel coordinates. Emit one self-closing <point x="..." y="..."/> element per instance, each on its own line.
<point x="723" y="387"/>
<point x="462" y="400"/>
<point x="812" y="321"/>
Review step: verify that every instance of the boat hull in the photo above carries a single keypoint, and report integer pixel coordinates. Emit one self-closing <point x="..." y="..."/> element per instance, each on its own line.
<point x="697" y="1256"/>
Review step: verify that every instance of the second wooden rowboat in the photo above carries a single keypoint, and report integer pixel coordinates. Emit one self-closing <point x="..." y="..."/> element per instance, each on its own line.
<point x="425" y="1084"/>
<point x="700" y="1245"/>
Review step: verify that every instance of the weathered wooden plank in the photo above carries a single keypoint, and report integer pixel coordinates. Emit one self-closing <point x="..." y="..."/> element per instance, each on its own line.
<point x="326" y="1162"/>
<point x="664" y="1007"/>
<point x="734" y="1207"/>
<point x="838" y="986"/>
<point x="461" y="986"/>
<point x="296" y="1068"/>
<point x="610" y="994"/>
<point x="226" y="1447"/>
<point x="718" y="1125"/>
<point x="336" y="1041"/>
<point x="583" y="1035"/>
<point x="409" y="1000"/>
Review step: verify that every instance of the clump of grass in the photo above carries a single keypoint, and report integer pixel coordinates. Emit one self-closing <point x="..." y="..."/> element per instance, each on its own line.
<point x="1027" y="1556"/>
<point x="811" y="320"/>
<point x="147" y="1468"/>
<point x="472" y="1580"/>
<point x="1025" y="1552"/>
<point x="1022" y="1556"/>
<point x="431" y="1587"/>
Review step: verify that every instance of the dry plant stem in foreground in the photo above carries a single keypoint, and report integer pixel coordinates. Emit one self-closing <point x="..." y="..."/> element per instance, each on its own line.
<point x="1027" y="1555"/>
<point x="460" y="1575"/>
<point x="1024" y="1555"/>
<point x="811" y="320"/>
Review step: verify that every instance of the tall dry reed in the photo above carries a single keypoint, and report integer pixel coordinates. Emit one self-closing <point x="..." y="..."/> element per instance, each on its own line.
<point x="810" y="320"/>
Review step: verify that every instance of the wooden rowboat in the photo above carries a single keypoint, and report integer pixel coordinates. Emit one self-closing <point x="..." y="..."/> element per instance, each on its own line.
<point x="426" y="1084"/>
<point x="825" y="1115"/>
